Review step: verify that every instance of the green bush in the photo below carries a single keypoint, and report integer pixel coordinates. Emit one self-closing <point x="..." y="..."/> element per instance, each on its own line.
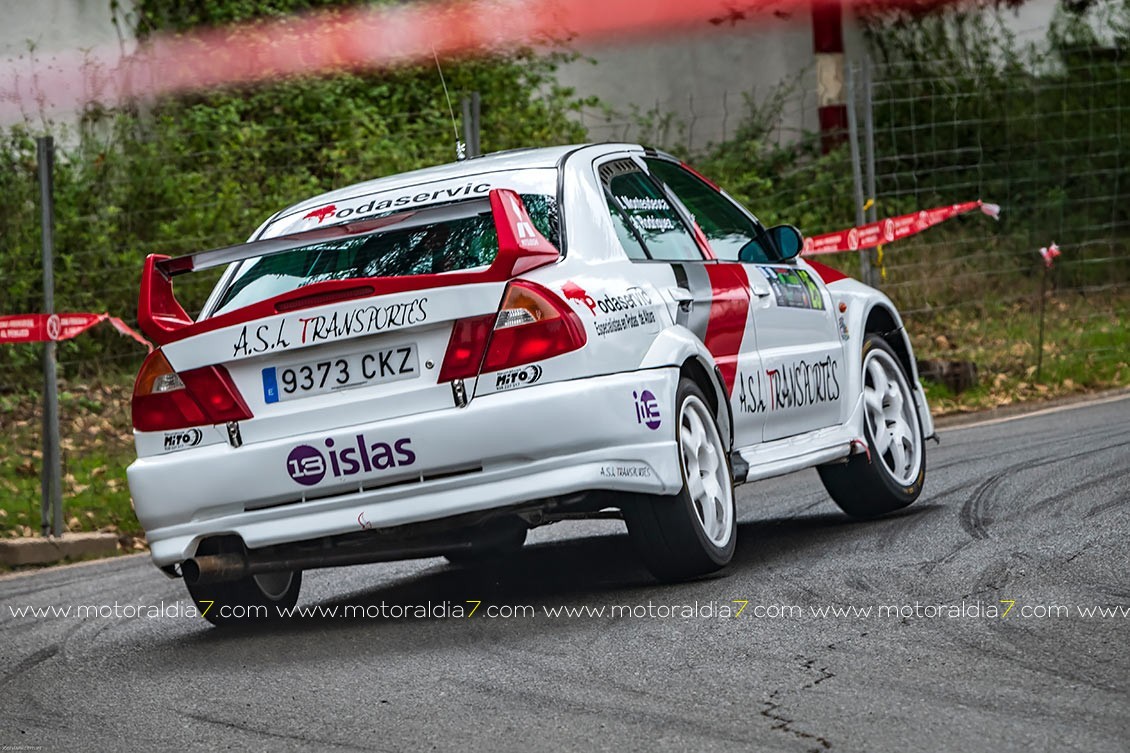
<point x="204" y="170"/>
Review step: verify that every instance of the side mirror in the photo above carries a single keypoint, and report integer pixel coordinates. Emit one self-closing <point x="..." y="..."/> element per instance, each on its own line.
<point x="787" y="239"/>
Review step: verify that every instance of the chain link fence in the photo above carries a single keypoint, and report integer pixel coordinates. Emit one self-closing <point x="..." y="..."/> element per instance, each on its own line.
<point x="1047" y="145"/>
<point x="1045" y="140"/>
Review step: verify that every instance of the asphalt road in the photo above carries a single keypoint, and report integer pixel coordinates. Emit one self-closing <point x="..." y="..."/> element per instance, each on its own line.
<point x="1032" y="511"/>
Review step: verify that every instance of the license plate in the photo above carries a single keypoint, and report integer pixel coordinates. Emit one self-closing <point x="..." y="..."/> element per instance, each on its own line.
<point x="282" y="383"/>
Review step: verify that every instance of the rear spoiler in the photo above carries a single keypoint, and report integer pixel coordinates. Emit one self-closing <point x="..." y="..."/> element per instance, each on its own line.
<point x="162" y="318"/>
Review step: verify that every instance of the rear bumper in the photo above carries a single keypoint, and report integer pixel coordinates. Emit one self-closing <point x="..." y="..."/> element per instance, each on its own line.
<point x="503" y="449"/>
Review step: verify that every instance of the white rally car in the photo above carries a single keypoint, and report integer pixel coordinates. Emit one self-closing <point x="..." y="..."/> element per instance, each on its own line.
<point x="435" y="362"/>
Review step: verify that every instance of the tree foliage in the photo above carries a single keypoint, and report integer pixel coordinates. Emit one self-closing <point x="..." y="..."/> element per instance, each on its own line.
<point x="203" y="170"/>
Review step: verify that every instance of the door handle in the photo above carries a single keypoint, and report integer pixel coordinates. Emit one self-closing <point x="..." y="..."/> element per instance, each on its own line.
<point x="761" y="291"/>
<point x="683" y="297"/>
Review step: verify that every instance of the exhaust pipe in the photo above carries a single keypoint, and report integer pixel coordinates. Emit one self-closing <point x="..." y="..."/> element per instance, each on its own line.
<point x="213" y="568"/>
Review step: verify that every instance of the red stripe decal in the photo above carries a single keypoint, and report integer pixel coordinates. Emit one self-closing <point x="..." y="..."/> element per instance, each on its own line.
<point x="729" y="312"/>
<point x="826" y="273"/>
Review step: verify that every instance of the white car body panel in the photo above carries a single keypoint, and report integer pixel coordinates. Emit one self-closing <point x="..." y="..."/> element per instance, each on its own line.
<point x="593" y="419"/>
<point x="503" y="442"/>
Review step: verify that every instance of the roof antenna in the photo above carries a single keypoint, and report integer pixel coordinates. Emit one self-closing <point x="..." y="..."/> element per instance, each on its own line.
<point x="460" y="147"/>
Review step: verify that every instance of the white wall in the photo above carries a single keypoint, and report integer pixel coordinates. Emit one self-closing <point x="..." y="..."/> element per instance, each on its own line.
<point x="36" y="32"/>
<point x="700" y="76"/>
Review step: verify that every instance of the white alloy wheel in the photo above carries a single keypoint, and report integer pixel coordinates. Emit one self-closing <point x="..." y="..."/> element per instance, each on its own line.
<point x="691" y="533"/>
<point x="706" y="471"/>
<point x="891" y="417"/>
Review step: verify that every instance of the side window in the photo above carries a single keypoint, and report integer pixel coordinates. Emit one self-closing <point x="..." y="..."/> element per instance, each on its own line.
<point x="658" y="224"/>
<point x="628" y="239"/>
<point x="727" y="227"/>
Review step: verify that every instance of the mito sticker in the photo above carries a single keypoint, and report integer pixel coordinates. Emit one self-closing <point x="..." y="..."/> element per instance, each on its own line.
<point x="308" y="465"/>
<point x="647" y="409"/>
<point x="182" y="440"/>
<point x="508" y="380"/>
<point x="794" y="288"/>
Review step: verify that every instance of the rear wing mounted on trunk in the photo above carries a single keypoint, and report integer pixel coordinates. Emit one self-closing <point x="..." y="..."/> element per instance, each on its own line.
<point x="162" y="318"/>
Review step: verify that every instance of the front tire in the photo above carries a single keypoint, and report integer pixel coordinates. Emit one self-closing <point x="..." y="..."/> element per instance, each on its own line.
<point x="692" y="533"/>
<point x="891" y="475"/>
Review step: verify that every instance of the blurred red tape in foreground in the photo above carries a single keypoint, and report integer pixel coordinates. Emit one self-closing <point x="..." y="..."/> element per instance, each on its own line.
<point x="37" y="328"/>
<point x="891" y="229"/>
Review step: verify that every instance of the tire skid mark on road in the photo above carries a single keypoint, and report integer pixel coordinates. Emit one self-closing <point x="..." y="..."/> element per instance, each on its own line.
<point x="1095" y="482"/>
<point x="973" y="515"/>
<point x="243" y="726"/>
<point x="54" y="650"/>
<point x="30" y="662"/>
<point x="929" y="566"/>
<point x="1026" y="448"/>
<point x="1013" y="642"/>
<point x="897" y="525"/>
<point x="996" y="575"/>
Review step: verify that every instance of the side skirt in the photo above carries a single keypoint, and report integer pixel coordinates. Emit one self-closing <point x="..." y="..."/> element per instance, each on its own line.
<point x="802" y="451"/>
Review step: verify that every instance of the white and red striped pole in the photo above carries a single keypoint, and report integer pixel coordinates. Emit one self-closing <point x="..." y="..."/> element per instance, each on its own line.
<point x="828" y="50"/>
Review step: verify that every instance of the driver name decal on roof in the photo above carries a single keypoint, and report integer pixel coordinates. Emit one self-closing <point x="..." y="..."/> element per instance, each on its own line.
<point x="367" y="206"/>
<point x="638" y="213"/>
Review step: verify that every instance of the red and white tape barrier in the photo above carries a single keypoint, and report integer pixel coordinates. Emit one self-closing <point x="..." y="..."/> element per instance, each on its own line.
<point x="365" y="37"/>
<point x="891" y="229"/>
<point x="37" y="328"/>
<point x="1049" y="254"/>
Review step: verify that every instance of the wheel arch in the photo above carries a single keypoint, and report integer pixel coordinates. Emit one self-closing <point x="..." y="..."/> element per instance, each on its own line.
<point x="884" y="322"/>
<point x="678" y="347"/>
<point x="718" y="399"/>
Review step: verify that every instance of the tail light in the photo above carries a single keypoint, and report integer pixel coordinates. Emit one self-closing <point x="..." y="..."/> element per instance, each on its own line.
<point x="532" y="324"/>
<point x="164" y="400"/>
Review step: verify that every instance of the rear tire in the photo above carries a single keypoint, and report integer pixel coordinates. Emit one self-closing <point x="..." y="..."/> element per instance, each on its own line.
<point x="253" y="599"/>
<point x="890" y="477"/>
<point x="693" y="532"/>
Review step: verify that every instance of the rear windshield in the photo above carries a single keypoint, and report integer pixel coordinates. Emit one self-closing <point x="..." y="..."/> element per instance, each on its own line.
<point x="456" y="243"/>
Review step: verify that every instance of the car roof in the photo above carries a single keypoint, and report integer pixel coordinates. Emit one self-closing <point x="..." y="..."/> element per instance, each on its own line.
<point x="514" y="159"/>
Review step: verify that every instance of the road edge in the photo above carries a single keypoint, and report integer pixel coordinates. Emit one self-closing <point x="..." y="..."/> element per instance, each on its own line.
<point x="1022" y="410"/>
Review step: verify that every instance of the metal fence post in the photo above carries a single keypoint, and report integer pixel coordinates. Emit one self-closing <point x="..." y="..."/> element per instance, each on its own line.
<point x="51" y="505"/>
<point x="856" y="168"/>
<point x="477" y="126"/>
<point x="869" y="155"/>
<point x="471" y="134"/>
